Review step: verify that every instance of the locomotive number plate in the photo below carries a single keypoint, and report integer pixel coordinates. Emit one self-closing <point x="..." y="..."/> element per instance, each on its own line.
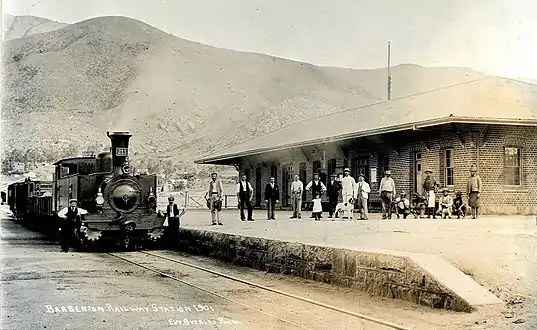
<point x="122" y="151"/>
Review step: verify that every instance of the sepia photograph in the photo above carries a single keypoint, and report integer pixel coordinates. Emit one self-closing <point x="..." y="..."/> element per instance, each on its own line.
<point x="248" y="164"/>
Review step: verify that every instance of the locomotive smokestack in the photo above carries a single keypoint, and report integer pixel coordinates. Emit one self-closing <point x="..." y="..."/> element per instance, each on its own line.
<point x="120" y="148"/>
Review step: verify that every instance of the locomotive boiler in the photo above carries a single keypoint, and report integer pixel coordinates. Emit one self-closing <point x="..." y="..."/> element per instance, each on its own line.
<point x="121" y="205"/>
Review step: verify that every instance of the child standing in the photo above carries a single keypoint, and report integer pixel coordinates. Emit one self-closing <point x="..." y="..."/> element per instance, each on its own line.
<point x="317" y="207"/>
<point x="446" y="203"/>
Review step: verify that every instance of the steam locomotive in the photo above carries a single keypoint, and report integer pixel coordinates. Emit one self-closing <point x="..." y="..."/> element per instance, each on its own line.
<point x="121" y="205"/>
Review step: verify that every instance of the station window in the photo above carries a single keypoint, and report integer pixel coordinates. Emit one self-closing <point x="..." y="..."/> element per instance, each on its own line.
<point x="316" y="166"/>
<point x="448" y="167"/>
<point x="331" y="166"/>
<point x="511" y="166"/>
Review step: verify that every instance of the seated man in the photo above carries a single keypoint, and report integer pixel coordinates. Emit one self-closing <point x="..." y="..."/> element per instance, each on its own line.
<point x="446" y="203"/>
<point x="418" y="205"/>
<point x="402" y="205"/>
<point x="459" y="206"/>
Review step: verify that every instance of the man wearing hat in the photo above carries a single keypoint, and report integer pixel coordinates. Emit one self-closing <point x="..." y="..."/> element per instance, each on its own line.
<point x="474" y="187"/>
<point x="70" y="219"/>
<point x="173" y="215"/>
<point x="348" y="187"/>
<point x="297" y="187"/>
<point x="362" y="195"/>
<point x="387" y="193"/>
<point x="317" y="187"/>
<point x="244" y="195"/>
<point x="429" y="186"/>
<point x="402" y="205"/>
<point x="332" y="190"/>
<point x="214" y="199"/>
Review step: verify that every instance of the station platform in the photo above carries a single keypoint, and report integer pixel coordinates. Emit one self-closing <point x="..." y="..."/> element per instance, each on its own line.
<point x="457" y="264"/>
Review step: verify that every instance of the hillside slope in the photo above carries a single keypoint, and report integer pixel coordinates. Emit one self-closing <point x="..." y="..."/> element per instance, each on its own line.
<point x="180" y="99"/>
<point x="15" y="27"/>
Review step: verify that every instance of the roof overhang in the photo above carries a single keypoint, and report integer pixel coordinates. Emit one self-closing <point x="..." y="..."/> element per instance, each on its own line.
<point x="365" y="133"/>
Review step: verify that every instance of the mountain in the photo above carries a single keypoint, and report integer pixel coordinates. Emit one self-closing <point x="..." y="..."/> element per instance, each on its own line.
<point x="66" y="87"/>
<point x="14" y="27"/>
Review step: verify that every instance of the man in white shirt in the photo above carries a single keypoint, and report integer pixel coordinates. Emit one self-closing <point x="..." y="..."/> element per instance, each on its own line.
<point x="71" y="218"/>
<point x="297" y="187"/>
<point x="317" y="187"/>
<point x="244" y="194"/>
<point x="387" y="193"/>
<point x="362" y="193"/>
<point x="214" y="199"/>
<point x="348" y="187"/>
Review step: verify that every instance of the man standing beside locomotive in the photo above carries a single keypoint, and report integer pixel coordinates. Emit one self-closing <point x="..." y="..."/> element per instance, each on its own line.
<point x="297" y="187"/>
<point x="387" y="193"/>
<point x="272" y="196"/>
<point x="244" y="195"/>
<point x="173" y="215"/>
<point x="70" y="219"/>
<point x="215" y="199"/>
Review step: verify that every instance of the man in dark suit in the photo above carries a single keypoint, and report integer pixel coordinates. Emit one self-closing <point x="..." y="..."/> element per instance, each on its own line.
<point x="244" y="195"/>
<point x="272" y="196"/>
<point x="173" y="215"/>
<point x="333" y="188"/>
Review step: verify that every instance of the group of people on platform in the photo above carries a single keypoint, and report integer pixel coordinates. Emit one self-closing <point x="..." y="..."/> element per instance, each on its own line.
<point x="343" y="192"/>
<point x="443" y="205"/>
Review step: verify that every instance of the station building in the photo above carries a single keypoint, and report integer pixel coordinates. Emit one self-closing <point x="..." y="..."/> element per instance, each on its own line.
<point x="490" y="122"/>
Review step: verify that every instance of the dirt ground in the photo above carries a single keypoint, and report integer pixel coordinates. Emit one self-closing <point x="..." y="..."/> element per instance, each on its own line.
<point x="43" y="288"/>
<point x="35" y="274"/>
<point x="498" y="252"/>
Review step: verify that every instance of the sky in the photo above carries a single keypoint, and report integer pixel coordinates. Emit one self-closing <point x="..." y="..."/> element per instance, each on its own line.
<point x="494" y="36"/>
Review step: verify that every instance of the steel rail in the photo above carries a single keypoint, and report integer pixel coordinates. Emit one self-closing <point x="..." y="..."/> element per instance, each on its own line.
<point x="337" y="309"/>
<point x="204" y="290"/>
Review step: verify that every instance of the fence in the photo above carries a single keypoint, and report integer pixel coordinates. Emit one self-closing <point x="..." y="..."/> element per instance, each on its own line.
<point x="193" y="201"/>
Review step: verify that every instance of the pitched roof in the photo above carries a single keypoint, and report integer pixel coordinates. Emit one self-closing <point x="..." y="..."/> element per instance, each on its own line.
<point x="485" y="100"/>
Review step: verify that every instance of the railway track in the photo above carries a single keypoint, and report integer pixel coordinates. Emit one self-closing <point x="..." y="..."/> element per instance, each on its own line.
<point x="335" y="309"/>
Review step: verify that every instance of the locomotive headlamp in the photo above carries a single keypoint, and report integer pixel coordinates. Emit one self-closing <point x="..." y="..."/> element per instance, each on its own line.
<point x="151" y="197"/>
<point x="100" y="199"/>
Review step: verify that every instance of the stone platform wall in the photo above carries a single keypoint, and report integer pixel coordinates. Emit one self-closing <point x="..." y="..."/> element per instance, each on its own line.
<point x="391" y="275"/>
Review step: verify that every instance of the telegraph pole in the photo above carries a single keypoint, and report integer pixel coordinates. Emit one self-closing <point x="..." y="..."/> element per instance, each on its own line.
<point x="389" y="72"/>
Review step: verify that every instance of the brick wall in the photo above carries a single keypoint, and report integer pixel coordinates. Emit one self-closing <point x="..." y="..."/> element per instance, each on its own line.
<point x="463" y="140"/>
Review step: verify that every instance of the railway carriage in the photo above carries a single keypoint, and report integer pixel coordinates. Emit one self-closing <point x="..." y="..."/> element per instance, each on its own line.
<point x="121" y="205"/>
